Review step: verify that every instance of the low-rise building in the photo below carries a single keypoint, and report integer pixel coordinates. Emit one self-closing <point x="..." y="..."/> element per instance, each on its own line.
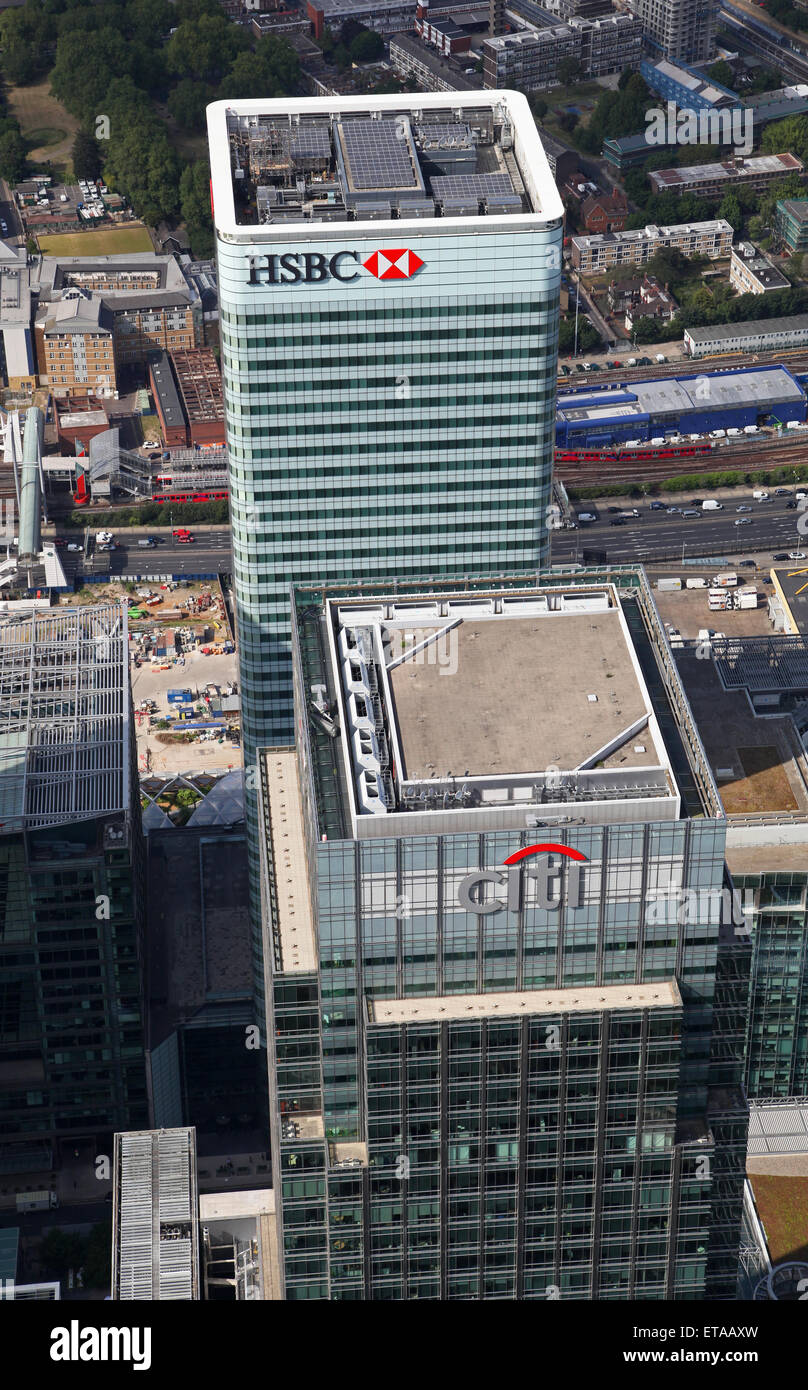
<point x="530" y="58"/>
<point x="757" y="335"/>
<point x="791" y="223"/>
<point x="750" y="272"/>
<point x="385" y="16"/>
<point x="599" y="252"/>
<point x="605" y="212"/>
<point x="411" y="57"/>
<point x="75" y="345"/>
<point x="167" y="403"/>
<point x="713" y="180"/>
<point x="652" y="301"/>
<point x="200" y="386"/>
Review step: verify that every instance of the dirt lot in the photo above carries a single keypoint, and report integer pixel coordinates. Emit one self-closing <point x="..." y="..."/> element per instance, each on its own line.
<point x="37" y="109"/>
<point x="176" y="756"/>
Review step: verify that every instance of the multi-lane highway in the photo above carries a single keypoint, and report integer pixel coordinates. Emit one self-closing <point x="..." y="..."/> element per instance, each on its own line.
<point x="209" y="553"/>
<point x="658" y="535"/>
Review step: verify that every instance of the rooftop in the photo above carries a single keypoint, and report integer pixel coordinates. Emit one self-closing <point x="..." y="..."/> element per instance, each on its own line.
<point x="675" y="396"/>
<point x="64" y="716"/>
<point x="653" y="233"/>
<point x="662" y="994"/>
<point x="293" y="916"/>
<point x="165" y="389"/>
<point x="435" y="699"/>
<point x="331" y="160"/>
<point x="755" y="167"/>
<point x="793" y="323"/>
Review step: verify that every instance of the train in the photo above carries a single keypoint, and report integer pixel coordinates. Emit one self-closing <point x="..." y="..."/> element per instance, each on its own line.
<point x="218" y="495"/>
<point x="623" y="455"/>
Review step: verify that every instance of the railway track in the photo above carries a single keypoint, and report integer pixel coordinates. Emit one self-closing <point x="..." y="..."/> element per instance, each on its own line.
<point x="796" y="360"/>
<point x="730" y="459"/>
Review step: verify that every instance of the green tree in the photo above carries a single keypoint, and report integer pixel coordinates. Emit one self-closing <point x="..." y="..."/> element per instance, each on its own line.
<point x="195" y="207"/>
<point x="205" y="48"/>
<point x="730" y="209"/>
<point x="12" y="156"/>
<point x="722" y="72"/>
<point x="188" y="100"/>
<point x="367" y="47"/>
<point x="569" y="69"/>
<point x="141" y="164"/>
<point x="86" y="156"/>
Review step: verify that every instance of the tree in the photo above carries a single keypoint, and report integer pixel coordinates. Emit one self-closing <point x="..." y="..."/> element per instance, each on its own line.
<point x="205" y="48"/>
<point x="366" y="47"/>
<point x="568" y="120"/>
<point x="141" y="163"/>
<point x="568" y="70"/>
<point x="86" y="156"/>
<point x="540" y="107"/>
<point x="187" y="103"/>
<point x="12" y="156"/>
<point x="722" y="72"/>
<point x="730" y="210"/>
<point x="195" y="207"/>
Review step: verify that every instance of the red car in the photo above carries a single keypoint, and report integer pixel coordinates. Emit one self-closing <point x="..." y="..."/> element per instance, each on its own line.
<point x="180" y="531"/>
<point x="185" y="540"/>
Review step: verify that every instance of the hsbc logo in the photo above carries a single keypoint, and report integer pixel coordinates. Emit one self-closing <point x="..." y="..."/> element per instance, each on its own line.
<point x="554" y="883"/>
<point x="393" y="265"/>
<point x="314" y="268"/>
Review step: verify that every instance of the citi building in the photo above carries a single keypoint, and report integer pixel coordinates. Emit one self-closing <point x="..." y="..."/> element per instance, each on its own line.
<point x="389" y="276"/>
<point x="504" y="1064"/>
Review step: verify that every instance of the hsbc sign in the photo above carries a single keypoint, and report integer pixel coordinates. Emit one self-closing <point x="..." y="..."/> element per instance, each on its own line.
<point x="314" y="268"/>
<point x="554" y="883"/>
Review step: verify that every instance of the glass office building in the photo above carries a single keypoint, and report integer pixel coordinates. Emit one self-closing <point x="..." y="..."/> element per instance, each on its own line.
<point x="72" y="1065"/>
<point x="504" y="1063"/>
<point x="389" y="272"/>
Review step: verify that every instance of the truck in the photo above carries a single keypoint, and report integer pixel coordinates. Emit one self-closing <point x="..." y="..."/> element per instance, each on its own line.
<point x="718" y="599"/>
<point x="36" y="1201"/>
<point x="104" y="540"/>
<point x="695" y="583"/>
<point x="710" y="505"/>
<point x="745" y="598"/>
<point x="724" y="581"/>
<point x="668" y="586"/>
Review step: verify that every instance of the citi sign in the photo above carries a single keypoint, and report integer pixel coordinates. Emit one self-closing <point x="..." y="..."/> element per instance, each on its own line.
<point x="314" y="268"/>
<point x="555" y="883"/>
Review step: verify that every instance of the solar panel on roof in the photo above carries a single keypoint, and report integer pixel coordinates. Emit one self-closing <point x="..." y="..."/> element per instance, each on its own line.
<point x="311" y="142"/>
<point x="378" y="154"/>
<point x="447" y="187"/>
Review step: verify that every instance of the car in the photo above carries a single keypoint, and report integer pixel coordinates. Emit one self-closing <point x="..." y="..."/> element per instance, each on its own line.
<point x="747" y="564"/>
<point x="691" y="511"/>
<point x="656" y="507"/>
<point x="791" y="506"/>
<point x="782" y="492"/>
<point x="74" y="546"/>
<point x="697" y="502"/>
<point x="797" y="555"/>
<point x="782" y="556"/>
<point x="674" y="511"/>
<point x="743" y="508"/>
<point x="614" y="509"/>
<point x="617" y="521"/>
<point x="744" y="521"/>
<point x="185" y="540"/>
<point x="180" y="531"/>
<point x="4" y="228"/>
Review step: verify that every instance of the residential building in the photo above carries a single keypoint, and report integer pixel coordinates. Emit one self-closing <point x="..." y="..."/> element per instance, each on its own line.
<point x="387" y="410"/>
<point x="529" y="58"/>
<point x="72" y="1064"/>
<point x="411" y="57"/>
<point x="653" y="301"/>
<point x="605" y="212"/>
<point x="481" y="1086"/>
<point x="593" y="253"/>
<point x="791" y="224"/>
<point x="155" y="1216"/>
<point x="75" y="346"/>
<point x="713" y="180"/>
<point x="167" y="403"/>
<point x="755" y="335"/>
<point x="681" y="30"/>
<point x="750" y="272"/>
<point x="385" y="16"/>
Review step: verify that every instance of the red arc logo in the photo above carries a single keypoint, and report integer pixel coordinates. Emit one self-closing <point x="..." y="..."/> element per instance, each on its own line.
<point x="400" y="264"/>
<point x="544" y="849"/>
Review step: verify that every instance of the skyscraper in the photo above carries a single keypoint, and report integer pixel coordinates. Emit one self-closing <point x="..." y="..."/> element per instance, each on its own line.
<point x="72" y="1064"/>
<point x="505" y="1005"/>
<point x="389" y="273"/>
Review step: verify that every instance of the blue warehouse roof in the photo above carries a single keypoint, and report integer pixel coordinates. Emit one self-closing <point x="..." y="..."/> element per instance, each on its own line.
<point x="761" y="387"/>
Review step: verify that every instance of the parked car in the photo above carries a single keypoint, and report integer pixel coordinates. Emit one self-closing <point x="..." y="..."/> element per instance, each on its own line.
<point x="782" y="556"/>
<point x="797" y="555"/>
<point x="747" y="564"/>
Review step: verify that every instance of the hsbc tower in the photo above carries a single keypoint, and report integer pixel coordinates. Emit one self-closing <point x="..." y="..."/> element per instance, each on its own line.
<point x="389" y="274"/>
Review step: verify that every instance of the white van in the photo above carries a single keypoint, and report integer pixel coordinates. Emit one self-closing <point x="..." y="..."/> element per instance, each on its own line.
<point x="710" y="505"/>
<point x="760" y="495"/>
<point x="732" y="434"/>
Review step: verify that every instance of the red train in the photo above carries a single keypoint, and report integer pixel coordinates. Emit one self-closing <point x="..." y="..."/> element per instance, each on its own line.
<point x="623" y="455"/>
<point x="217" y="496"/>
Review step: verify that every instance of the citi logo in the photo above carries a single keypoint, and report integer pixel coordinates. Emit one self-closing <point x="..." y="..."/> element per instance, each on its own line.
<point x="393" y="265"/>
<point x="555" y="884"/>
<point x="315" y="268"/>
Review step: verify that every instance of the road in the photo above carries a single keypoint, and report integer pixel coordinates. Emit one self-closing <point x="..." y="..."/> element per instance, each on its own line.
<point x="9" y="213"/>
<point x="210" y="552"/>
<point x="656" y="535"/>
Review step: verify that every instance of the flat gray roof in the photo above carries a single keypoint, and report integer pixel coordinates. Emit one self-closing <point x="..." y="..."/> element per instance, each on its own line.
<point x="793" y="323"/>
<point x="662" y="994"/>
<point x="520" y="698"/>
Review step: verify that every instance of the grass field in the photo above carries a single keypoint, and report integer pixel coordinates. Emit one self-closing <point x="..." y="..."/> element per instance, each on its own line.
<point x="47" y="127"/>
<point x="783" y="1206"/>
<point x="112" y="241"/>
<point x="764" y="783"/>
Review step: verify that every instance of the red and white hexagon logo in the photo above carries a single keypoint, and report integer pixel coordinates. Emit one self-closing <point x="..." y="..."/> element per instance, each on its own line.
<point x="393" y="265"/>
